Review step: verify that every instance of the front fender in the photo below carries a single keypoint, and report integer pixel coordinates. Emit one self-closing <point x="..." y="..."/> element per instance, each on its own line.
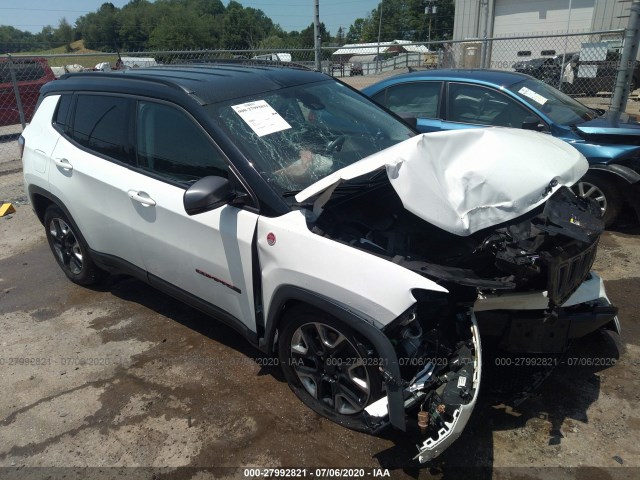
<point x="290" y="254"/>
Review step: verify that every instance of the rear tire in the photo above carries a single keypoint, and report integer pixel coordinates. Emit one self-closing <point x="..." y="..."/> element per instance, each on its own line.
<point x="329" y="366"/>
<point x="69" y="248"/>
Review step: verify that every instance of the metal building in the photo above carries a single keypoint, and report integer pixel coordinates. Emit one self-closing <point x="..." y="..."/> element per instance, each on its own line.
<point x="475" y="19"/>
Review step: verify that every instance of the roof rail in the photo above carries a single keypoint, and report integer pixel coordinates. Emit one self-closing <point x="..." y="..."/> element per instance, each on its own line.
<point x="247" y="62"/>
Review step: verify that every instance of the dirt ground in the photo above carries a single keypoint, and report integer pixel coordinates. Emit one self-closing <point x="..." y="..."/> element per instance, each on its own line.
<point x="96" y="381"/>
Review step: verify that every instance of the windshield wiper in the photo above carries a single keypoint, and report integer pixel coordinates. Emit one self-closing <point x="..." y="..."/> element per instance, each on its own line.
<point x="291" y="193"/>
<point x="350" y="186"/>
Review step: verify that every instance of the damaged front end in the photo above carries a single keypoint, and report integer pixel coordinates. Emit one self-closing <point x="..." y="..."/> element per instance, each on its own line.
<point x="435" y="214"/>
<point x="547" y="253"/>
<point x="438" y="349"/>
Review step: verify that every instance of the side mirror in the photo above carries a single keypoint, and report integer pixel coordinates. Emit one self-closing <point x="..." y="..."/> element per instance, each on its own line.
<point x="409" y="119"/>
<point x="206" y="194"/>
<point x="532" y="123"/>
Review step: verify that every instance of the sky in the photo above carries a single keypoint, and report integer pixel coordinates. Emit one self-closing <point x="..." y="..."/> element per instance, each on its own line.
<point x="32" y="15"/>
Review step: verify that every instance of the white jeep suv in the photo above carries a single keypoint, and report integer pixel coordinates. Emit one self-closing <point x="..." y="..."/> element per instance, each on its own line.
<point x="369" y="259"/>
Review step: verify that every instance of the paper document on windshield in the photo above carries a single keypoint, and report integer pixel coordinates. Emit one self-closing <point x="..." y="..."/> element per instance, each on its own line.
<point x="261" y="117"/>
<point x="536" y="97"/>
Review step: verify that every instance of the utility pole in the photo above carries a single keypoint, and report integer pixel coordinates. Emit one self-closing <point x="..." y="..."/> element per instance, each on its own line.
<point x="316" y="34"/>
<point x="627" y="63"/>
<point x="430" y="10"/>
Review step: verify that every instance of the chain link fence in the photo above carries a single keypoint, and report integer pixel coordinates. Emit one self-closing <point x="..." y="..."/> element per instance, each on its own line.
<point x="584" y="65"/>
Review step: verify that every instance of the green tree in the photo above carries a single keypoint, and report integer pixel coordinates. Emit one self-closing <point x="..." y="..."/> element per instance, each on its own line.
<point x="101" y="29"/>
<point x="273" y="42"/>
<point x="64" y="34"/>
<point x="137" y="21"/>
<point x="403" y="20"/>
<point x="14" y="40"/>
<point x="244" y="28"/>
<point x="45" y="39"/>
<point x="340" y="37"/>
<point x="307" y="37"/>
<point x="354" y="35"/>
<point x="194" y="24"/>
<point x="442" y="26"/>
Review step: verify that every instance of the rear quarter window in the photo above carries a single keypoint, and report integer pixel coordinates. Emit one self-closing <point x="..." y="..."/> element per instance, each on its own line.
<point x="61" y="115"/>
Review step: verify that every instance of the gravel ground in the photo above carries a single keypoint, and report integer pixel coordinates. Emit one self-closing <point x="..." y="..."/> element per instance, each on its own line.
<point x="100" y="380"/>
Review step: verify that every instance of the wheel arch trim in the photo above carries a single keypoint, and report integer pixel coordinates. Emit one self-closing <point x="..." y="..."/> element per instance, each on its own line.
<point x="36" y="191"/>
<point x="620" y="171"/>
<point x="364" y="326"/>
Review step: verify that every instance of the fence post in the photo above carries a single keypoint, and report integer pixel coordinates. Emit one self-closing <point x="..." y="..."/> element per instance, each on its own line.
<point x="16" y="92"/>
<point x="627" y="61"/>
<point x="485" y="43"/>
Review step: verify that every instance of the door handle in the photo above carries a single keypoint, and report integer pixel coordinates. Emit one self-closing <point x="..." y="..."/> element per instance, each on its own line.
<point x="63" y="163"/>
<point x="142" y="197"/>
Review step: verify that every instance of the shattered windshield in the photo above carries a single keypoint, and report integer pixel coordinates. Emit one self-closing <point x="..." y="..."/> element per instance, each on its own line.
<point x="560" y="108"/>
<point x="298" y="135"/>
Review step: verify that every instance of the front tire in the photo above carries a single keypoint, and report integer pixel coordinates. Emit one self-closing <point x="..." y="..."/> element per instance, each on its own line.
<point x="329" y="366"/>
<point x="604" y="192"/>
<point x="69" y="248"/>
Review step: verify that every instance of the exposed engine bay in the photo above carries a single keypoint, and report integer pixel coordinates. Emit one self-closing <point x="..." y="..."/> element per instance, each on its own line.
<point x="549" y="248"/>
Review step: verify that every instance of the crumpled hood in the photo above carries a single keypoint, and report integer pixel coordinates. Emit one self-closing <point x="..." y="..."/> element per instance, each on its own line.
<point x="463" y="181"/>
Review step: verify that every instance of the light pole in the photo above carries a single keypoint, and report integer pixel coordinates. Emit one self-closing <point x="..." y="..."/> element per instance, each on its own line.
<point x="430" y="10"/>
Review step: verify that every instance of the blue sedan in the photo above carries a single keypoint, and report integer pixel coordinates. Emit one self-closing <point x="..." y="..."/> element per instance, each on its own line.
<point x="454" y="99"/>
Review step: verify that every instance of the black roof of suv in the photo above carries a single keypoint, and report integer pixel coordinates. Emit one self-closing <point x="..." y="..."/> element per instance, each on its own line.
<point x="207" y="84"/>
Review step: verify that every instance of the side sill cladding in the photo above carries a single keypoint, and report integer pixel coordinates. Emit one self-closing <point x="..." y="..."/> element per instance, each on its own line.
<point x="365" y="327"/>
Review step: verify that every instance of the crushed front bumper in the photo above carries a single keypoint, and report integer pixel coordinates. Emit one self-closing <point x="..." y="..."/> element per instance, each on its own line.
<point x="416" y="392"/>
<point x="525" y="323"/>
<point x="508" y="315"/>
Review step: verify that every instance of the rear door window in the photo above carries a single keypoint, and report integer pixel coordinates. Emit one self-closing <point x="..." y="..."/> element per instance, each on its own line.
<point x="101" y="124"/>
<point x="420" y="99"/>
